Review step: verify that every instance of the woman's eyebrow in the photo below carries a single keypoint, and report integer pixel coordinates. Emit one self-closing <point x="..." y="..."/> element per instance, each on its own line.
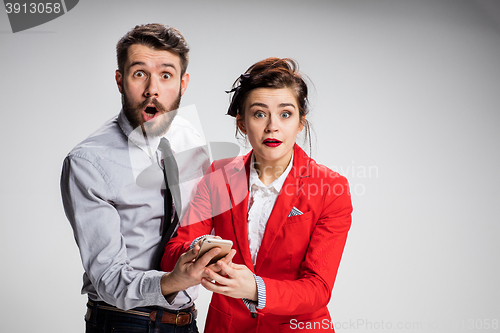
<point x="282" y="105"/>
<point x="259" y="104"/>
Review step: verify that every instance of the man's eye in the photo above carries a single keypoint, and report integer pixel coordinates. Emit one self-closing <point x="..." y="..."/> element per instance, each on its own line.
<point x="166" y="76"/>
<point x="286" y="115"/>
<point x="139" y="74"/>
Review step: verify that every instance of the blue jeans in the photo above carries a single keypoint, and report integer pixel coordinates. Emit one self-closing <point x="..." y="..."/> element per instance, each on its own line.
<point x="105" y="321"/>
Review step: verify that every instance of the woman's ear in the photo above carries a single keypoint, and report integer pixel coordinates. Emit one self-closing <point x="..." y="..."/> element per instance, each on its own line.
<point x="240" y="122"/>
<point x="302" y="123"/>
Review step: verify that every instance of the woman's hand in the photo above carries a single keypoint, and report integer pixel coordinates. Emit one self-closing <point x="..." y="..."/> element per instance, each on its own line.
<point x="228" y="260"/>
<point x="239" y="282"/>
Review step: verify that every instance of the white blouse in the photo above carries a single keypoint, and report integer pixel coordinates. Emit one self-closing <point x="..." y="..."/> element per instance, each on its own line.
<point x="260" y="205"/>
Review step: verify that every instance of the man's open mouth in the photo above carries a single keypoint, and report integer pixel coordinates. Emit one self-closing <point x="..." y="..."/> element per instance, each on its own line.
<point x="149" y="113"/>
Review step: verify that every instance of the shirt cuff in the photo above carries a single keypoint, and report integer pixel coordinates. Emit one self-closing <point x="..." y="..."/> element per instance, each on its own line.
<point x="151" y="291"/>
<point x="193" y="243"/>
<point x="261" y="292"/>
<point x="261" y="296"/>
<point x="251" y="305"/>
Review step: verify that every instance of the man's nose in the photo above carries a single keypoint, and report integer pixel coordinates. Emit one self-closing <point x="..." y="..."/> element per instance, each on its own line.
<point x="152" y="87"/>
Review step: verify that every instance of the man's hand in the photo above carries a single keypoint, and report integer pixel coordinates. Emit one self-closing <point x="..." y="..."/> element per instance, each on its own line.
<point x="227" y="259"/>
<point x="189" y="272"/>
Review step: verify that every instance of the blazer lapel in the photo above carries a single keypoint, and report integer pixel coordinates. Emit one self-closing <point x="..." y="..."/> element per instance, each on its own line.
<point x="238" y="186"/>
<point x="286" y="200"/>
<point x="284" y="204"/>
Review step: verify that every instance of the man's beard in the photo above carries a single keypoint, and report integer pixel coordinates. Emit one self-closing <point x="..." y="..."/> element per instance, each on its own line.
<point x="157" y="126"/>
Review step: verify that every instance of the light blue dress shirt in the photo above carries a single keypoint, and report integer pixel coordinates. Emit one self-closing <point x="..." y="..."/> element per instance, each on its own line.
<point x="117" y="216"/>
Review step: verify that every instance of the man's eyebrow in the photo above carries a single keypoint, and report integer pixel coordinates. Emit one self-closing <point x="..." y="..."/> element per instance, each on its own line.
<point x="141" y="63"/>
<point x="137" y="63"/>
<point x="168" y="65"/>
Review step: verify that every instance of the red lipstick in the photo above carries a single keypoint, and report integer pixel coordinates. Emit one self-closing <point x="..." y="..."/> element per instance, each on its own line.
<point x="272" y="142"/>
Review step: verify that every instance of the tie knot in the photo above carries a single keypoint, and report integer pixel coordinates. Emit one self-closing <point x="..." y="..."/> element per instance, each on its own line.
<point x="165" y="147"/>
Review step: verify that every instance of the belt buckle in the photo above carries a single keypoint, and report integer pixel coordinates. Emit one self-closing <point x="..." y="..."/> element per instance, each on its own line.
<point x="177" y="318"/>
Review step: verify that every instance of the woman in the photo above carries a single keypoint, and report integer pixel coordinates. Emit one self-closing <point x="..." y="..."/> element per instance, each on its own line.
<point x="287" y="216"/>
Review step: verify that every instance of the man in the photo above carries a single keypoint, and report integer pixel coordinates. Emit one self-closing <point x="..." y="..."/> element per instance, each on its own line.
<point x="112" y="192"/>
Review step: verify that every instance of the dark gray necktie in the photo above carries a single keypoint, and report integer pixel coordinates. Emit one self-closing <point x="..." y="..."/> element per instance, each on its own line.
<point x="171" y="193"/>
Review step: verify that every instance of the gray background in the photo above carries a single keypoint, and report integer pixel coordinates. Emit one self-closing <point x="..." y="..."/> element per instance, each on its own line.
<point x="405" y="104"/>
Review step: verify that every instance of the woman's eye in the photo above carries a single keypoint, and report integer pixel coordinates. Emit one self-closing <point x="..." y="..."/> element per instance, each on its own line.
<point x="166" y="76"/>
<point x="286" y="115"/>
<point x="259" y="115"/>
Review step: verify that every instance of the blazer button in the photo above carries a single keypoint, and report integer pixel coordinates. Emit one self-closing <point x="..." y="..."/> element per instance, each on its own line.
<point x="254" y="315"/>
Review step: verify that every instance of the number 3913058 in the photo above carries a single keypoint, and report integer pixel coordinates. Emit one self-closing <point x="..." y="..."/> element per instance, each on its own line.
<point x="33" y="8"/>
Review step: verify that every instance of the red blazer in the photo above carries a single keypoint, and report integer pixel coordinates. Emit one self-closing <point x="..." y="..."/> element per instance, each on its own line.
<point x="299" y="255"/>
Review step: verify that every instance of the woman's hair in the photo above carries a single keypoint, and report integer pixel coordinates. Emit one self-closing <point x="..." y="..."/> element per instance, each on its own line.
<point x="274" y="73"/>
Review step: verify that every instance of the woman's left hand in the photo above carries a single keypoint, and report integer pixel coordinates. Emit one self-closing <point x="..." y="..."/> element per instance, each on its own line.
<point x="239" y="282"/>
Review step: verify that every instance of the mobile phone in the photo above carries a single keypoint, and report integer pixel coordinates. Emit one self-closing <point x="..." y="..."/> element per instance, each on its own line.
<point x="209" y="243"/>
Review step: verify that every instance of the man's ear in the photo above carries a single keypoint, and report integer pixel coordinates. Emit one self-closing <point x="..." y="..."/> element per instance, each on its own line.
<point x="184" y="82"/>
<point x="241" y="124"/>
<point x="119" y="81"/>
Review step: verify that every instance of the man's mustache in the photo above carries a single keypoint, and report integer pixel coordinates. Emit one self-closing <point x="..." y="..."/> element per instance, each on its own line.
<point x="153" y="101"/>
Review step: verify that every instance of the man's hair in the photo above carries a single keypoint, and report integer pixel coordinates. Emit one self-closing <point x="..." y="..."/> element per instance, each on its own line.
<point x="156" y="36"/>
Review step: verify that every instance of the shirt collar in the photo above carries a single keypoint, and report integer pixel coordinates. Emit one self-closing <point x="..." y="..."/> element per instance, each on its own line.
<point x="149" y="146"/>
<point x="277" y="184"/>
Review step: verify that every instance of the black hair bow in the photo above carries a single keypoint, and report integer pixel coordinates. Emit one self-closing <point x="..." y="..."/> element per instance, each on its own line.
<point x="235" y="101"/>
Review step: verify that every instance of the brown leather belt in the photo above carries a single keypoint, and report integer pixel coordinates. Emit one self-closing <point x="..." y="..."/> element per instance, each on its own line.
<point x="180" y="318"/>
